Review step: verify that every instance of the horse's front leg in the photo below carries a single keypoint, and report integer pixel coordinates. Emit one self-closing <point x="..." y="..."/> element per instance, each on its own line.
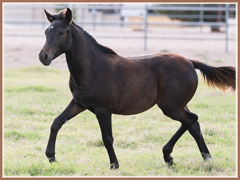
<point x="105" y="121"/>
<point x="72" y="110"/>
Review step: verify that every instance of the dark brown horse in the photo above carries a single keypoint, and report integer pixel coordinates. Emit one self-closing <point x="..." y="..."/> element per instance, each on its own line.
<point x="106" y="83"/>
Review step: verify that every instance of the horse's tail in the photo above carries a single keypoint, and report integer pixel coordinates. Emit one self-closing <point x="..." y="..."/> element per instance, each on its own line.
<point x="220" y="77"/>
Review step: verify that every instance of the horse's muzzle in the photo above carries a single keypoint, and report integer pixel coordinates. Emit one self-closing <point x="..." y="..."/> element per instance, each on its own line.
<point x="45" y="58"/>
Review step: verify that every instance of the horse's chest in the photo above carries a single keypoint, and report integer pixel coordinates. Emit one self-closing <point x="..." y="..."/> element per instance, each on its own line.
<point x="77" y="92"/>
<point x="80" y="96"/>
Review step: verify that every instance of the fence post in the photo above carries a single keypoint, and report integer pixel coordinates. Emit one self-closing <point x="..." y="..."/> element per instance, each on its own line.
<point x="226" y="25"/>
<point x="43" y="16"/>
<point x="94" y="15"/>
<point x="201" y="16"/>
<point x="83" y="15"/>
<point x="145" y="27"/>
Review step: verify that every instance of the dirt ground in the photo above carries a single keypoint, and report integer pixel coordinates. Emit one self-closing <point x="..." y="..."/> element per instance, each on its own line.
<point x="23" y="51"/>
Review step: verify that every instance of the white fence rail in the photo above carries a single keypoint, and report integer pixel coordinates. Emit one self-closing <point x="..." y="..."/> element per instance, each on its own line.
<point x="112" y="15"/>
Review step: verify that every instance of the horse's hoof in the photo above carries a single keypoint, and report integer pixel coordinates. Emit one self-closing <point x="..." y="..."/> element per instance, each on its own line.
<point x="170" y="163"/>
<point x="52" y="159"/>
<point x="169" y="160"/>
<point x="207" y="157"/>
<point x="114" y="166"/>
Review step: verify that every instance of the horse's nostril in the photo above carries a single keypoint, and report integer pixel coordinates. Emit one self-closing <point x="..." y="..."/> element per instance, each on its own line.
<point x="45" y="56"/>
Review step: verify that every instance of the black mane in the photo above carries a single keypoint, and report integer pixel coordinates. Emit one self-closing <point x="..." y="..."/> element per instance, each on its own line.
<point x="61" y="15"/>
<point x="93" y="40"/>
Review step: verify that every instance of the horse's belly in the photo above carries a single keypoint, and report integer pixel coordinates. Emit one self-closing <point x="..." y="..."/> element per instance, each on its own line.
<point x="135" y="102"/>
<point x="131" y="110"/>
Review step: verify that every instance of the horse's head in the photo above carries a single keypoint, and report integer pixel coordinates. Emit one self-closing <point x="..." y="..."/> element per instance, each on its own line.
<point x="58" y="38"/>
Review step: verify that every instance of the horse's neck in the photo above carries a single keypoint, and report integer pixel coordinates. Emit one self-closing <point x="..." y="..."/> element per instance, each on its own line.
<point x="81" y="58"/>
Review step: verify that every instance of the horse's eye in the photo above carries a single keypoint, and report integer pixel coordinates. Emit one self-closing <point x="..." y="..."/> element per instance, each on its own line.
<point x="61" y="33"/>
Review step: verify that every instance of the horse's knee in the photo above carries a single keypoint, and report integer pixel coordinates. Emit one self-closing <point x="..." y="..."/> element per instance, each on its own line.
<point x="56" y="125"/>
<point x="54" y="128"/>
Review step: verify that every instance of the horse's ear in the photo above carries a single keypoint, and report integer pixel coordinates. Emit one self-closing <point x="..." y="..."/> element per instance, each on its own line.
<point x="50" y="17"/>
<point x="69" y="15"/>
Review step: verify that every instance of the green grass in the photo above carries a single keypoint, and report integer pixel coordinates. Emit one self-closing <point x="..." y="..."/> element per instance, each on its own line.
<point x="34" y="96"/>
<point x="218" y="61"/>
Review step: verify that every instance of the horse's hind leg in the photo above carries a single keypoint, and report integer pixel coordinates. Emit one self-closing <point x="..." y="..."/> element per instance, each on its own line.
<point x="196" y="133"/>
<point x="187" y="119"/>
